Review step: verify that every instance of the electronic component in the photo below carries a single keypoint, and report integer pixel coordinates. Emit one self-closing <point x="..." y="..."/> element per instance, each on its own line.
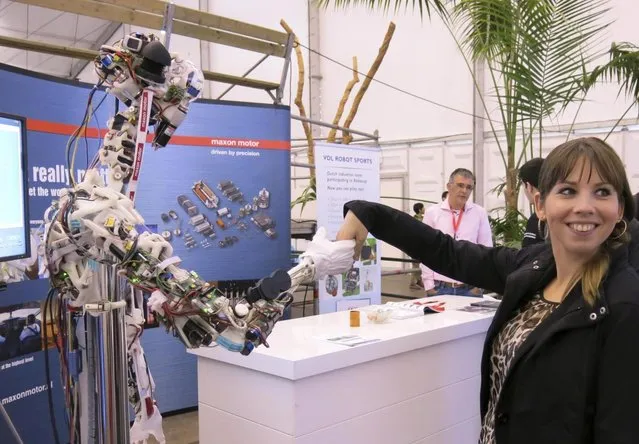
<point x="262" y="221"/>
<point x="236" y="197"/>
<point x="189" y="242"/>
<point x="266" y="224"/>
<point x="197" y="219"/>
<point x="263" y="199"/>
<point x="187" y="205"/>
<point x="134" y="42"/>
<point x="223" y="212"/>
<point x="228" y="241"/>
<point x="206" y="244"/>
<point x="206" y="195"/>
<point x="225" y="185"/>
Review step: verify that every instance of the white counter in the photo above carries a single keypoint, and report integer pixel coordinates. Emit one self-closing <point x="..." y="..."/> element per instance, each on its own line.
<point x="418" y="384"/>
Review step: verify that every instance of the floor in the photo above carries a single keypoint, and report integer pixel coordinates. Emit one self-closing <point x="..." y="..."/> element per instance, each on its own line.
<point x="183" y="428"/>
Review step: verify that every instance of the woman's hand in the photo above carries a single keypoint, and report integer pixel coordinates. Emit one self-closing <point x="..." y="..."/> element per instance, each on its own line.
<point x="353" y="229"/>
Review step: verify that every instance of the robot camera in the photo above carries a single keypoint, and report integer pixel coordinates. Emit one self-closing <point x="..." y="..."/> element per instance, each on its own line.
<point x="133" y="43"/>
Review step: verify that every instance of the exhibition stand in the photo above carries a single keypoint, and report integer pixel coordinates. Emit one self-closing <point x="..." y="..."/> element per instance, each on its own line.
<point x="216" y="146"/>
<point x="416" y="380"/>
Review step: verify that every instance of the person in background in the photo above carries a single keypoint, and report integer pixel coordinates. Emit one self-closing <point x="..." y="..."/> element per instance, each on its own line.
<point x="31" y="328"/>
<point x="560" y="359"/>
<point x="416" y="277"/>
<point x="529" y="177"/>
<point x="444" y="195"/>
<point x="464" y="221"/>
<point x="419" y="210"/>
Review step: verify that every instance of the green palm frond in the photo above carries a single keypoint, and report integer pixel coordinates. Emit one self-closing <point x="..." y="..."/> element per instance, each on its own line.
<point x="423" y="6"/>
<point x="623" y="68"/>
<point x="538" y="46"/>
<point x="309" y="194"/>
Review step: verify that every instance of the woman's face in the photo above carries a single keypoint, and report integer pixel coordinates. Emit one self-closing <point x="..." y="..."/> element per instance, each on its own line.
<point x="580" y="212"/>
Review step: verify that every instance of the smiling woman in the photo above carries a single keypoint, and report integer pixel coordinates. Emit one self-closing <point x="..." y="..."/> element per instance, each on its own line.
<point x="582" y="198"/>
<point x="560" y="362"/>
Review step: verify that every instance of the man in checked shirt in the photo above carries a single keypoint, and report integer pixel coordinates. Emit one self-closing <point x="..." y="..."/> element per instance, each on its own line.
<point x="461" y="219"/>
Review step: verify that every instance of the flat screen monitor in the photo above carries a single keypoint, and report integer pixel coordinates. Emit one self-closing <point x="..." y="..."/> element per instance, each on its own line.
<point x="14" y="213"/>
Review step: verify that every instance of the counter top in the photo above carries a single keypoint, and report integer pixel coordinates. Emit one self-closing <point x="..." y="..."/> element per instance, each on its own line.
<point x="298" y="348"/>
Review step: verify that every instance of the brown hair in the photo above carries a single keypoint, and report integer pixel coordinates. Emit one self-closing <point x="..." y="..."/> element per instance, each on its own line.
<point x="603" y="159"/>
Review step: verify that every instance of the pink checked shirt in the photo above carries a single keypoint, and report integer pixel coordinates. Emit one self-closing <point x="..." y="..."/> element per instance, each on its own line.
<point x="473" y="227"/>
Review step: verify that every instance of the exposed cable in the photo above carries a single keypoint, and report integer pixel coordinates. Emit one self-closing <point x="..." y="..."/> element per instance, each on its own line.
<point x="54" y="426"/>
<point x="388" y="85"/>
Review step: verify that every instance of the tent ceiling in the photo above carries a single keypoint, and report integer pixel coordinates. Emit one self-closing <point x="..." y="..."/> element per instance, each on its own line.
<point x="62" y="28"/>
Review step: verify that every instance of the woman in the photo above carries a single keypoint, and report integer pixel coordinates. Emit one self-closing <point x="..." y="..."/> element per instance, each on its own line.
<point x="561" y="358"/>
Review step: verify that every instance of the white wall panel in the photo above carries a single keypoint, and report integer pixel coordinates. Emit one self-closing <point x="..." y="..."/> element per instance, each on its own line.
<point x="394" y="161"/>
<point x="426" y="174"/>
<point x="494" y="174"/>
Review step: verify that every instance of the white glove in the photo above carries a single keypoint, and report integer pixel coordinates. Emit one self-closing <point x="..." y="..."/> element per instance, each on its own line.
<point x="329" y="257"/>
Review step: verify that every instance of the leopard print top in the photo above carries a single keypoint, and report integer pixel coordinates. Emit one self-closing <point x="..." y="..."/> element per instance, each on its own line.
<point x="514" y="333"/>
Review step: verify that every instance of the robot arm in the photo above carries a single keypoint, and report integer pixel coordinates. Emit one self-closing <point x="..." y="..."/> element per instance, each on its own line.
<point x="95" y="224"/>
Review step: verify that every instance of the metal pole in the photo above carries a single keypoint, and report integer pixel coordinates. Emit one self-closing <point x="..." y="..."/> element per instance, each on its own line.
<point x="12" y="428"/>
<point x="94" y="423"/>
<point x="478" y="133"/>
<point x="246" y="73"/>
<point x="114" y="359"/>
<point x="106" y="350"/>
<point x="167" y="23"/>
<point x="279" y="93"/>
<point x="330" y="125"/>
<point x="302" y="165"/>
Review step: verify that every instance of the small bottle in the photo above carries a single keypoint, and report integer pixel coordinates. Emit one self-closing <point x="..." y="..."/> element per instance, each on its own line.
<point x="354" y="318"/>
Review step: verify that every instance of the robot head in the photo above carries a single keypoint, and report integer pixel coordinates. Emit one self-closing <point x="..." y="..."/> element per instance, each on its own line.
<point x="155" y="60"/>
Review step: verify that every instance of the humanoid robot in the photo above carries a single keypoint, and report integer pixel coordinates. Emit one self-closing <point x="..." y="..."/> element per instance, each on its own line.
<point x="94" y="223"/>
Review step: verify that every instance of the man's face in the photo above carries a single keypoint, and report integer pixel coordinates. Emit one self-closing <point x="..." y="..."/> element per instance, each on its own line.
<point x="459" y="191"/>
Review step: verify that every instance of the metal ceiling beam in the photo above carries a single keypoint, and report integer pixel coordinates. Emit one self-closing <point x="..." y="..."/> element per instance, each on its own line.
<point x="88" y="54"/>
<point x="116" y="13"/>
<point x="47" y="48"/>
<point x="104" y="38"/>
<point x="202" y="17"/>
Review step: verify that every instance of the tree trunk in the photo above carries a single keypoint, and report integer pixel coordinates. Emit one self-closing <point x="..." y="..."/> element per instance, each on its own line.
<point x="299" y="97"/>
<point x="511" y="193"/>
<point x="346" y="136"/>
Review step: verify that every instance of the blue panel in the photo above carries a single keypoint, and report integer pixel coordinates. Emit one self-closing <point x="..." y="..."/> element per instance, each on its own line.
<point x="166" y="174"/>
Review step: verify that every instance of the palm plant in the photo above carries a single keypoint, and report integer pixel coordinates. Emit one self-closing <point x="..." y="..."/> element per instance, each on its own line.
<point x="536" y="54"/>
<point x="623" y="68"/>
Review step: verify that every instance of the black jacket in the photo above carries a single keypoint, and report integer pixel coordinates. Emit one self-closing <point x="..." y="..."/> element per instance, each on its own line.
<point x="575" y="380"/>
<point x="532" y="235"/>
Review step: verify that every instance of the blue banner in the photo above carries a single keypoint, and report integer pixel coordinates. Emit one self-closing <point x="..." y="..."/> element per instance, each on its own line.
<point x="220" y="192"/>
